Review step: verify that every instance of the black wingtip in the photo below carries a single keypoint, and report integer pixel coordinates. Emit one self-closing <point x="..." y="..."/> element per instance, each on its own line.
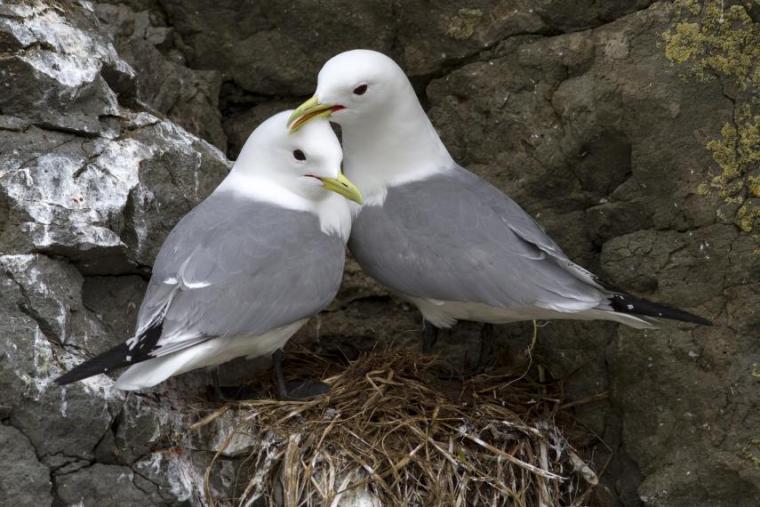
<point x="117" y="357"/>
<point x="627" y="303"/>
<point x="102" y="363"/>
<point x="72" y="376"/>
<point x="66" y="378"/>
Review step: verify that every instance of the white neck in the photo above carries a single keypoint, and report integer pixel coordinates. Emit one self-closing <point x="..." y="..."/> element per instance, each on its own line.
<point x="391" y="147"/>
<point x="333" y="211"/>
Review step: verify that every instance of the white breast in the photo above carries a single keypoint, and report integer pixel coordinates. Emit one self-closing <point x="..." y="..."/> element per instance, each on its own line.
<point x="335" y="216"/>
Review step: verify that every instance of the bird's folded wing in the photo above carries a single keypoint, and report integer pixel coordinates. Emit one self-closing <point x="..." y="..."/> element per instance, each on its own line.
<point x="238" y="267"/>
<point x="454" y="237"/>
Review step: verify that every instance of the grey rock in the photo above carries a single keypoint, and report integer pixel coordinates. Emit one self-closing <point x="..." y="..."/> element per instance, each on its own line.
<point x="101" y="485"/>
<point x="25" y="481"/>
<point x="239" y="125"/>
<point x="430" y="40"/>
<point x="41" y="302"/>
<point x="162" y="82"/>
<point x="115" y="300"/>
<point x="179" y="474"/>
<point x="88" y="185"/>
<point x="570" y="16"/>
<point x="277" y="48"/>
<point x="64" y="55"/>
<point x="90" y="192"/>
<point x="96" y="201"/>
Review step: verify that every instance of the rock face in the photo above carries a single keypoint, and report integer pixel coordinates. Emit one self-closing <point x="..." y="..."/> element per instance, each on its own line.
<point x="114" y="118"/>
<point x="26" y="481"/>
<point x="90" y="184"/>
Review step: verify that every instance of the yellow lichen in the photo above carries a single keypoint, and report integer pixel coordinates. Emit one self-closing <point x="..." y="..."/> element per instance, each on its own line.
<point x="690" y="6"/>
<point x="716" y="41"/>
<point x="754" y="186"/>
<point x="693" y="6"/>
<point x="747" y="215"/>
<point x="750" y="452"/>
<point x="713" y="40"/>
<point x="737" y="153"/>
<point x="462" y="26"/>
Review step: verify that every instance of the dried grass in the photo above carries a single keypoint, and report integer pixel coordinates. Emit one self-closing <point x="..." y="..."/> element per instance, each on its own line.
<point x="398" y="428"/>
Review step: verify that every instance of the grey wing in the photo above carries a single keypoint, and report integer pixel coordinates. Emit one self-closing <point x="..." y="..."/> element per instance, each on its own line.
<point x="235" y="267"/>
<point x="454" y="237"/>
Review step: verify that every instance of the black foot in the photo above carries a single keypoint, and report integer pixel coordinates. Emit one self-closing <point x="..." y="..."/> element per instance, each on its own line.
<point x="295" y="391"/>
<point x="429" y="337"/>
<point x="486" y="357"/>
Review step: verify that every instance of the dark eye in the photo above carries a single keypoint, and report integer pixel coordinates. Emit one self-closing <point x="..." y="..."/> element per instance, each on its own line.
<point x="360" y="90"/>
<point x="299" y="155"/>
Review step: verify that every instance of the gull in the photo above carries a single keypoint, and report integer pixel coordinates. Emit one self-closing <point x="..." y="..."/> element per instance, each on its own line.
<point x="248" y="266"/>
<point x="439" y="236"/>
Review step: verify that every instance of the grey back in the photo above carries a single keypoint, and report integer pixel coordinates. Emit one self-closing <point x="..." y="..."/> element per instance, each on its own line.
<point x="455" y="237"/>
<point x="233" y="266"/>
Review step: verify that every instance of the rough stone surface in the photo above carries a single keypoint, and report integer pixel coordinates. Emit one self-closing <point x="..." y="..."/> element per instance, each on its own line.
<point x="162" y="82"/>
<point x="114" y="121"/>
<point x="95" y="486"/>
<point x="93" y="175"/>
<point x="239" y="124"/>
<point x="25" y="481"/>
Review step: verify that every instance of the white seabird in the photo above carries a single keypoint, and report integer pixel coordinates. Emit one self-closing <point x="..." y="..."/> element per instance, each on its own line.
<point x="436" y="234"/>
<point x="247" y="267"/>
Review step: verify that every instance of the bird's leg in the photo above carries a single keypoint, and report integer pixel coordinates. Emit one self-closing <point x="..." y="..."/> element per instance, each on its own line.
<point x="429" y="336"/>
<point x="216" y="386"/>
<point x="485" y="356"/>
<point x="295" y="391"/>
<point x="279" y="378"/>
<point x="215" y="389"/>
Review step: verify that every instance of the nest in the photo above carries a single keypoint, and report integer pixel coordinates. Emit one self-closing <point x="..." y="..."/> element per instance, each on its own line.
<point x="398" y="428"/>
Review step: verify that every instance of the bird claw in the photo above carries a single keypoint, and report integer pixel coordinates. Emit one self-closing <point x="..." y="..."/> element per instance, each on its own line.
<point x="295" y="390"/>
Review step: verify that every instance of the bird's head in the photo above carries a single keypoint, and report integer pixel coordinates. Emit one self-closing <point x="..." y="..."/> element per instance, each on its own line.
<point x="352" y="84"/>
<point x="307" y="162"/>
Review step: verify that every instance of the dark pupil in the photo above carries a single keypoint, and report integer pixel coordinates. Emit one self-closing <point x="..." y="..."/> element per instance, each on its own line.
<point x="359" y="90"/>
<point x="299" y="155"/>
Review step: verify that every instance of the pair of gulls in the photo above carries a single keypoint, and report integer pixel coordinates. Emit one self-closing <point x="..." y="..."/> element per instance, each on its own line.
<point x="245" y="269"/>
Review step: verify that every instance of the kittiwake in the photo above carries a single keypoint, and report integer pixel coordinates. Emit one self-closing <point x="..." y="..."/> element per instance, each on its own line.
<point x="247" y="267"/>
<point x="436" y="234"/>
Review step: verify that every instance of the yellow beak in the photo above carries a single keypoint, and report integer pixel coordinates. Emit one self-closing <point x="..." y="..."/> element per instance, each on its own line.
<point x="308" y="111"/>
<point x="343" y="186"/>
